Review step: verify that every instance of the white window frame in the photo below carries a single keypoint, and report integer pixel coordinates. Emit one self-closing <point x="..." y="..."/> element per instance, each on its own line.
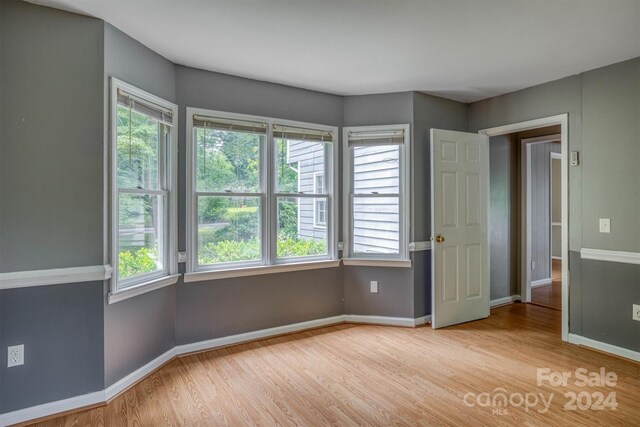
<point x="168" y="188"/>
<point x="316" y="222"/>
<point x="269" y="262"/>
<point x="402" y="259"/>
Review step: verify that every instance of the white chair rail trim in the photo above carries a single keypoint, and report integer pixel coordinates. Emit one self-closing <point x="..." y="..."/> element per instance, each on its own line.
<point x="420" y="246"/>
<point x="55" y="276"/>
<point x="611" y="256"/>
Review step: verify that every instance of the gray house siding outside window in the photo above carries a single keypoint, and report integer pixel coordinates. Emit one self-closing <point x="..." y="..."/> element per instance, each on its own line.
<point x="308" y="160"/>
<point x="376" y="219"/>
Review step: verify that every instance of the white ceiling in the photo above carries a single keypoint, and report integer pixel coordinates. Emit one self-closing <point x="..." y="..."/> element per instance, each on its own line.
<point x="460" y="49"/>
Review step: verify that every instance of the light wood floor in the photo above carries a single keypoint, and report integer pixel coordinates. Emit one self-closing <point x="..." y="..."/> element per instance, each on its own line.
<point x="374" y="375"/>
<point x="550" y="295"/>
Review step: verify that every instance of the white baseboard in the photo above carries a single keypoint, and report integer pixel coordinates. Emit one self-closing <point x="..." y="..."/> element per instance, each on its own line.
<point x="504" y="301"/>
<point x="607" y="348"/>
<point x="50" y="408"/>
<point x="386" y="320"/>
<point x="254" y="335"/>
<point x="121" y="385"/>
<point x="102" y="396"/>
<point x="422" y="320"/>
<point x="541" y="282"/>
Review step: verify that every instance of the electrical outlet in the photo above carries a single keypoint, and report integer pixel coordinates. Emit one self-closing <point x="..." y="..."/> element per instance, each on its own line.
<point x="636" y="312"/>
<point x="533" y="265"/>
<point x="605" y="225"/>
<point x="15" y="355"/>
<point x="374" y="287"/>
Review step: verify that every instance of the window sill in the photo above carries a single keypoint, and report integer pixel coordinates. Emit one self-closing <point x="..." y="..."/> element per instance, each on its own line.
<point x="377" y="262"/>
<point x="143" y="288"/>
<point x="255" y="271"/>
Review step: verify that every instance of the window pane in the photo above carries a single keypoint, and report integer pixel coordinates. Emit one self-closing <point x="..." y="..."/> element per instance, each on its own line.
<point x="297" y="235"/>
<point x="227" y="161"/>
<point x="138" y="139"/>
<point x="320" y="219"/>
<point x="376" y="223"/>
<point x="228" y="229"/>
<point x="296" y="164"/>
<point x="376" y="169"/>
<point x="140" y="240"/>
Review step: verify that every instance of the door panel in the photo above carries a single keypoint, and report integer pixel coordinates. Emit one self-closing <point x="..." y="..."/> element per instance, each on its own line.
<point x="459" y="214"/>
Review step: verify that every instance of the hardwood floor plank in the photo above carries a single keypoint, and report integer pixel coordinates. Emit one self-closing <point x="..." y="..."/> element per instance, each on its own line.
<point x="375" y="375"/>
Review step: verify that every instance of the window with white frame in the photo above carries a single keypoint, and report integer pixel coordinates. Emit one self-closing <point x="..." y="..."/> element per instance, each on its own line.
<point x="142" y="183"/>
<point x="376" y="192"/>
<point x="254" y="195"/>
<point x="320" y="205"/>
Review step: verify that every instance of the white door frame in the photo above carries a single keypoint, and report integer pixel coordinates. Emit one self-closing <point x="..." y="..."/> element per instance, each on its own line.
<point x="526" y="215"/>
<point x="552" y="157"/>
<point x="563" y="121"/>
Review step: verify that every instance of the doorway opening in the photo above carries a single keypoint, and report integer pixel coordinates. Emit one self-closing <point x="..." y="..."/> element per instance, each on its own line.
<point x="541" y="217"/>
<point x="529" y="213"/>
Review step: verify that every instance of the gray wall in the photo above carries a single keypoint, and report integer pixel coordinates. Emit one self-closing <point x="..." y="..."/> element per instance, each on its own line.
<point x="603" y="106"/>
<point x="396" y="293"/>
<point x="61" y="329"/>
<point x="601" y="296"/>
<point x="51" y="139"/>
<point x="541" y="208"/>
<point x="213" y="309"/>
<point x="557" y="97"/>
<point x="51" y="145"/>
<point x="139" y="329"/>
<point x="402" y="292"/>
<point x="611" y="156"/>
<point x="219" y="308"/>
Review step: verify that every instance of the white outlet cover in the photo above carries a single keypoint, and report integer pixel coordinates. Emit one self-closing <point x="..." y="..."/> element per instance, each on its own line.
<point x="15" y="355"/>
<point x="374" y="287"/>
<point x="636" y="312"/>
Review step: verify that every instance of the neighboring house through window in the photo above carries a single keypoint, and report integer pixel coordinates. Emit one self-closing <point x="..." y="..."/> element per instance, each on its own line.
<point x="320" y="205"/>
<point x="261" y="191"/>
<point x="376" y="188"/>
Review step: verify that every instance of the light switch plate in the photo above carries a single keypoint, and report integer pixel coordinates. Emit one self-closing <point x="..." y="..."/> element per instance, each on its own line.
<point x="374" y="287"/>
<point x="636" y="312"/>
<point x="605" y="225"/>
<point x="574" y="158"/>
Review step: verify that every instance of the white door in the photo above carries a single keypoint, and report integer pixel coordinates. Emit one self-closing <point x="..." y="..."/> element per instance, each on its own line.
<point x="460" y="226"/>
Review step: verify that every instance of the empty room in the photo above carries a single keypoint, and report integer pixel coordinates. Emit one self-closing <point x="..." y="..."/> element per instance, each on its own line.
<point x="309" y="213"/>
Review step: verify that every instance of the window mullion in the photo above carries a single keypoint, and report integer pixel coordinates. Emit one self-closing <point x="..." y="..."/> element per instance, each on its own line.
<point x="270" y="218"/>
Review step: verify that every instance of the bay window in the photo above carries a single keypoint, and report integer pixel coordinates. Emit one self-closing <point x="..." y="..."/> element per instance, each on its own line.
<point x="253" y="193"/>
<point x="376" y="165"/>
<point x="142" y="191"/>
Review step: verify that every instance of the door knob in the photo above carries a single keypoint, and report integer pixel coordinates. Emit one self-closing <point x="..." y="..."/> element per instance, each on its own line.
<point x="439" y="239"/>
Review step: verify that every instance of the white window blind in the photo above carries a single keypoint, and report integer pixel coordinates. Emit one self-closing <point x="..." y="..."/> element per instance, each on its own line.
<point x="231" y="125"/>
<point x="142" y="106"/>
<point x="301" y="134"/>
